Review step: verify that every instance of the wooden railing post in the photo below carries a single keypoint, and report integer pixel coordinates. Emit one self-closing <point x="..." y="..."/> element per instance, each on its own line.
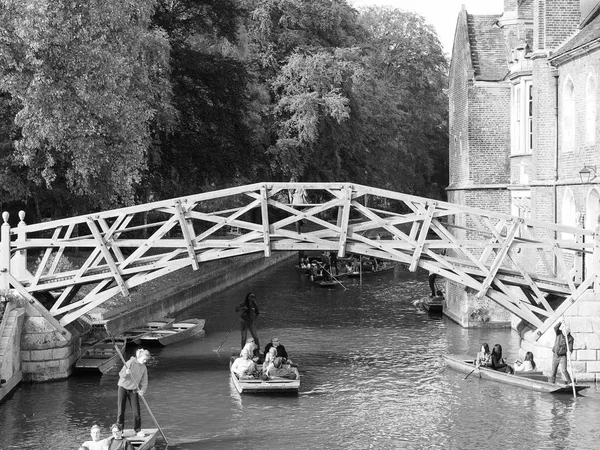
<point x="5" y="253"/>
<point x="19" y="260"/>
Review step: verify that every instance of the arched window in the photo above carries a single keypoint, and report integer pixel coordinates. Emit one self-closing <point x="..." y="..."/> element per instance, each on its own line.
<point x="568" y="117"/>
<point x="590" y="110"/>
<point x="568" y="213"/>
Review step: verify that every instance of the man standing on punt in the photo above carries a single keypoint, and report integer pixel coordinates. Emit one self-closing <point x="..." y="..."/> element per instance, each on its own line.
<point x="559" y="353"/>
<point x="250" y="312"/>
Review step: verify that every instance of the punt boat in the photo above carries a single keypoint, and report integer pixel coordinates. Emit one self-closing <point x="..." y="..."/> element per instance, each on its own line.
<point x="174" y="332"/>
<point x="141" y="443"/>
<point x="535" y="381"/>
<point x="135" y="334"/>
<point x="100" y="357"/>
<point x="271" y="386"/>
<point x="433" y="305"/>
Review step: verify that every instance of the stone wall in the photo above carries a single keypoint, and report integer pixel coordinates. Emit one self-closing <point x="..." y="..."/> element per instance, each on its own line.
<point x="583" y="318"/>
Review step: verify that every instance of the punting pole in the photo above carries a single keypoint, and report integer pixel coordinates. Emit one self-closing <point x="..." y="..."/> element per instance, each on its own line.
<point x="330" y="274"/>
<point x="137" y="387"/>
<point x="230" y="330"/>
<point x="569" y="356"/>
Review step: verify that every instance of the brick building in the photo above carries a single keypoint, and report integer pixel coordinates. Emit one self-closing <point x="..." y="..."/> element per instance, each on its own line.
<point x="524" y="125"/>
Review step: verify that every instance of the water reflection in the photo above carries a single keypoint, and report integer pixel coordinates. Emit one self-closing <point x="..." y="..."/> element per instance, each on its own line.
<point x="372" y="373"/>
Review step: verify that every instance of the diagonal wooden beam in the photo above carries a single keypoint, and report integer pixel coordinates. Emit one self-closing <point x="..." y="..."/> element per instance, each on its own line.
<point x="343" y="220"/>
<point x="264" y="211"/>
<point x="187" y="234"/>
<point x="422" y="236"/>
<point x="499" y="259"/>
<point x="108" y="257"/>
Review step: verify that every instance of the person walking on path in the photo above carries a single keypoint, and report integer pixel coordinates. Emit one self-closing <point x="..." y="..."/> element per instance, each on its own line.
<point x="133" y="376"/>
<point x="250" y="312"/>
<point x="559" y="354"/>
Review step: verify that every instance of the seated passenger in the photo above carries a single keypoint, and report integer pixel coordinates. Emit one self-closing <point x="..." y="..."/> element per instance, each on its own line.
<point x="96" y="443"/>
<point x="497" y="362"/>
<point x="483" y="357"/>
<point x="269" y="358"/>
<point x="244" y="367"/>
<point x="280" y="349"/>
<point x="276" y="369"/>
<point x="526" y="366"/>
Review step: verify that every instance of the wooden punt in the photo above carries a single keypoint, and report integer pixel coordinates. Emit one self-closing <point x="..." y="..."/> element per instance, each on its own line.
<point x="135" y="334"/>
<point x="271" y="386"/>
<point x="528" y="380"/>
<point x="100" y="357"/>
<point x="382" y="269"/>
<point x="175" y="332"/>
<point x="433" y="305"/>
<point x="141" y="443"/>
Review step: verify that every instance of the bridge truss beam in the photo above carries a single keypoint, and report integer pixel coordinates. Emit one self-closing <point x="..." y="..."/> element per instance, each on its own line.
<point x="86" y="260"/>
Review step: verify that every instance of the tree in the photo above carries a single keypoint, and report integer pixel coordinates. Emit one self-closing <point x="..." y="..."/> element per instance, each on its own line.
<point x="92" y="82"/>
<point x="404" y="106"/>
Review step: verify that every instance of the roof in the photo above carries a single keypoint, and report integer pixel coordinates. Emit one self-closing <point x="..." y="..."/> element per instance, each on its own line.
<point x="488" y="47"/>
<point x="589" y="33"/>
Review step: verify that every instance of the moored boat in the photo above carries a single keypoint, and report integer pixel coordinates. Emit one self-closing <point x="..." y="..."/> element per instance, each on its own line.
<point x="528" y="380"/>
<point x="270" y="386"/>
<point x="134" y="334"/>
<point x="434" y="305"/>
<point x="174" y="332"/>
<point x="100" y="357"/>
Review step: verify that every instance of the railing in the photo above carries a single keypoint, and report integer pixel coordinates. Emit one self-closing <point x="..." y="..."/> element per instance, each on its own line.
<point x="515" y="262"/>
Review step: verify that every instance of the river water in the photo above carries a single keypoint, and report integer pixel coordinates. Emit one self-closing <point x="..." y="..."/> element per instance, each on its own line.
<point x="372" y="376"/>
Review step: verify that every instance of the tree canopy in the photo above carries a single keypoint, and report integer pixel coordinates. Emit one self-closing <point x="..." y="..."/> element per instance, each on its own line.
<point x="108" y="103"/>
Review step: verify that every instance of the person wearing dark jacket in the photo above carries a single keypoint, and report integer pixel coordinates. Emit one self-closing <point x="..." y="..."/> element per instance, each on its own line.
<point x="559" y="354"/>
<point x="250" y="312"/>
<point x="116" y="441"/>
<point x="281" y="353"/>
<point x="497" y="362"/>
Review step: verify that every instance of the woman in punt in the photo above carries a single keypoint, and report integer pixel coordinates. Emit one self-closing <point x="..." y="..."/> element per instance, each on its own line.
<point x="483" y="357"/>
<point x="244" y="367"/>
<point x="497" y="362"/>
<point x="528" y="365"/>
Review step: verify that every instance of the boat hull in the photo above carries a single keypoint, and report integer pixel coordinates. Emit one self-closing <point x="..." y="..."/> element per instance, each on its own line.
<point x="141" y="443"/>
<point x="272" y="386"/>
<point x="525" y="380"/>
<point x="434" y="305"/>
<point x="175" y="332"/>
<point x="100" y="357"/>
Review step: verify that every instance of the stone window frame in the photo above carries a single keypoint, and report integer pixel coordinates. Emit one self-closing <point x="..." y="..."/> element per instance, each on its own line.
<point x="568" y="213"/>
<point x="522" y="116"/>
<point x="591" y="109"/>
<point x="567" y="116"/>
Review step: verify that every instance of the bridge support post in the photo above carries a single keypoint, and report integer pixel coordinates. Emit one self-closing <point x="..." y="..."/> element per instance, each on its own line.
<point x="5" y="253"/>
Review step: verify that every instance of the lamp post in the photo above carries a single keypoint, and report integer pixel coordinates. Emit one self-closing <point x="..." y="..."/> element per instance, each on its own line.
<point x="587" y="174"/>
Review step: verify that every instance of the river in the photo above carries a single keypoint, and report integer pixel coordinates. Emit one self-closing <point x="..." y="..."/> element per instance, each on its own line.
<point x="372" y="373"/>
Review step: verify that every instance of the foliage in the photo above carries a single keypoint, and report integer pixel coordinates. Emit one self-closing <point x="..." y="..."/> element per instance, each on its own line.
<point x="310" y="90"/>
<point x="105" y="103"/>
<point x="92" y="80"/>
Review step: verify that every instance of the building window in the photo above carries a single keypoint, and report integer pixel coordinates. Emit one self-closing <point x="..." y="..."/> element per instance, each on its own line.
<point x="568" y="213"/>
<point x="568" y="117"/>
<point x="522" y="117"/>
<point x="590" y="110"/>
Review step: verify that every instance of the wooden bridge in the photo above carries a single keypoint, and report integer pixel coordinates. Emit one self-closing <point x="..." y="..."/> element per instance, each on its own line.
<point x="535" y="270"/>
